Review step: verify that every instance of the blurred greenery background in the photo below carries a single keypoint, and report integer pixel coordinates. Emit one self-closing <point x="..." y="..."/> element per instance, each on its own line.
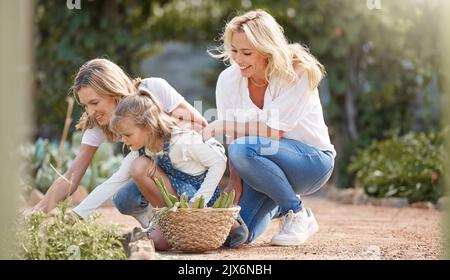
<point x="382" y="58"/>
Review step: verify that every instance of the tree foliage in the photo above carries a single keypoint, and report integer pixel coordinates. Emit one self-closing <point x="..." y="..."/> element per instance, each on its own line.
<point x="380" y="62"/>
<point x="118" y="30"/>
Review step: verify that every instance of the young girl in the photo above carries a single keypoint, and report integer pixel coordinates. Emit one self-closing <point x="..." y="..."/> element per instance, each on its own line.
<point x="161" y="146"/>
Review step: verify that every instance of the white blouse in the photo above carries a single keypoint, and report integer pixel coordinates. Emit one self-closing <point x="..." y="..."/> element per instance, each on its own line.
<point x="296" y="110"/>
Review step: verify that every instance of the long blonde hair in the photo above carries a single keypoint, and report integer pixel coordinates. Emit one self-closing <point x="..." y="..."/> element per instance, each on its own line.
<point x="285" y="61"/>
<point x="107" y="79"/>
<point x="145" y="112"/>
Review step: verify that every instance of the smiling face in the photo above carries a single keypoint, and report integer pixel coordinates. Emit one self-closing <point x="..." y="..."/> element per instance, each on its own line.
<point x="99" y="107"/>
<point x="251" y="62"/>
<point x="132" y="135"/>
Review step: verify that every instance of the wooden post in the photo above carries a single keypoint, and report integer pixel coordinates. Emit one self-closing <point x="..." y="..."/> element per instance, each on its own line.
<point x="445" y="46"/>
<point x="16" y="69"/>
<point x="67" y="124"/>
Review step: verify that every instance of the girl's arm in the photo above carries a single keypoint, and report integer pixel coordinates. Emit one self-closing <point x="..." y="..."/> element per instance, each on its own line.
<point x="60" y="189"/>
<point x="107" y="189"/>
<point x="212" y="159"/>
<point x="187" y="113"/>
<point x="212" y="180"/>
<point x="235" y="129"/>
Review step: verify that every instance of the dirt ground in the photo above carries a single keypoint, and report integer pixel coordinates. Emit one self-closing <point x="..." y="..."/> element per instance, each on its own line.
<point x="346" y="232"/>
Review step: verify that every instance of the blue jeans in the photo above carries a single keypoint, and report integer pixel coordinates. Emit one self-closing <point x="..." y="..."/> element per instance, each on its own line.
<point x="270" y="181"/>
<point x="129" y="200"/>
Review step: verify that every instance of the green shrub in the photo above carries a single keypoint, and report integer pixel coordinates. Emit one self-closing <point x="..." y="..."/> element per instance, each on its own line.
<point x="67" y="237"/>
<point x="409" y="166"/>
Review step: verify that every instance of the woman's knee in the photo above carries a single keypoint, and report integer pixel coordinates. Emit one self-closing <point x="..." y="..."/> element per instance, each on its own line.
<point x="122" y="204"/>
<point x="129" y="200"/>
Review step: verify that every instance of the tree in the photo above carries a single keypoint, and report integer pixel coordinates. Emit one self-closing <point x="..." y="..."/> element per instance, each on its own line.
<point x="379" y="61"/>
<point x="67" y="38"/>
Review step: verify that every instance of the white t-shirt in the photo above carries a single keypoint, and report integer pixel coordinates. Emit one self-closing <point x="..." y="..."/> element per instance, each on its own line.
<point x="160" y="88"/>
<point x="296" y="110"/>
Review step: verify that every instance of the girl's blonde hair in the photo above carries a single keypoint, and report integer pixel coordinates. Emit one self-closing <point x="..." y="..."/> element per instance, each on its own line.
<point x="285" y="61"/>
<point x="107" y="79"/>
<point x="144" y="110"/>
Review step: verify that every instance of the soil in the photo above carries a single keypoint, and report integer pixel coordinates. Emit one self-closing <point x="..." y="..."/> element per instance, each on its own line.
<point x="346" y="232"/>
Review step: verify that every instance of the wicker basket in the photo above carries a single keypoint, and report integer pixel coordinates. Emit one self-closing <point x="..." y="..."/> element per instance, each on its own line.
<point x="197" y="230"/>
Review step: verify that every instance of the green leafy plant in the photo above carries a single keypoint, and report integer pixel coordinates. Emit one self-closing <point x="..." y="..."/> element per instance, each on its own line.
<point x="409" y="166"/>
<point x="65" y="236"/>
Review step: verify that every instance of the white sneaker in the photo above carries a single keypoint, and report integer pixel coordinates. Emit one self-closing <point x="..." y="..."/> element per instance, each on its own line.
<point x="145" y="217"/>
<point x="296" y="228"/>
<point x="313" y="225"/>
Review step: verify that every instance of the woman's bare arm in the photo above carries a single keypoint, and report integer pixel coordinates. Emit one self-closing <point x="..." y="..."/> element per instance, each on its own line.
<point x="187" y="113"/>
<point x="235" y="130"/>
<point x="61" y="189"/>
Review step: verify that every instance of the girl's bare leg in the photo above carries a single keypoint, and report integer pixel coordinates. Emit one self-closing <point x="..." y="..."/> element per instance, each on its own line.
<point x="159" y="241"/>
<point x="146" y="184"/>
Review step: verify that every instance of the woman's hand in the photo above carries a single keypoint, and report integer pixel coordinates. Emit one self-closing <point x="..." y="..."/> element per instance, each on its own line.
<point x="60" y="189"/>
<point x="234" y="183"/>
<point x="216" y="127"/>
<point x="189" y="114"/>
